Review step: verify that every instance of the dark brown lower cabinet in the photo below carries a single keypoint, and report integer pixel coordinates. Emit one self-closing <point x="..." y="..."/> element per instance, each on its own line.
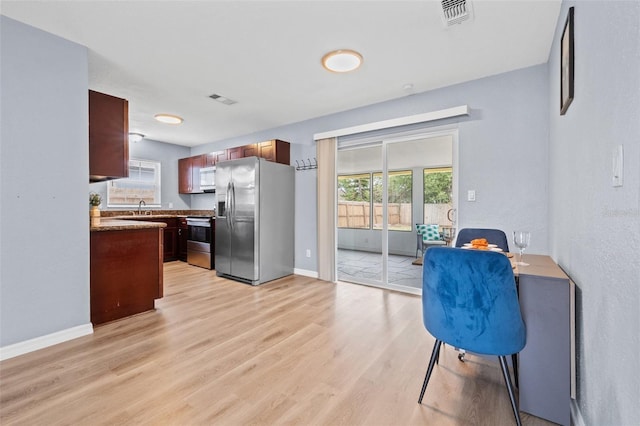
<point x="170" y="244"/>
<point x="125" y="272"/>
<point x="182" y="238"/>
<point x="174" y="236"/>
<point x="170" y="238"/>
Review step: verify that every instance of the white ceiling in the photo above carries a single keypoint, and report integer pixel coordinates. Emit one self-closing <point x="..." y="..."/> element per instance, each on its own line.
<point x="169" y="56"/>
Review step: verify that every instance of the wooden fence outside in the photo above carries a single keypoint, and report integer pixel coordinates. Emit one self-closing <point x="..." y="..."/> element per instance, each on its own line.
<point x="356" y="214"/>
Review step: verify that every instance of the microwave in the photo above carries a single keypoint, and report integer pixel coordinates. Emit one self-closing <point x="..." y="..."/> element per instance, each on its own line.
<point x="208" y="179"/>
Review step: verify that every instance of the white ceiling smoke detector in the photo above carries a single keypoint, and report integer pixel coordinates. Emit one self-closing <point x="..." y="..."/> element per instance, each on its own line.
<point x="456" y="12"/>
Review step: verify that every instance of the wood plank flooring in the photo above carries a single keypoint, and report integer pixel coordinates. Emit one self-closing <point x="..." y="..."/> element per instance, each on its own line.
<point x="296" y="351"/>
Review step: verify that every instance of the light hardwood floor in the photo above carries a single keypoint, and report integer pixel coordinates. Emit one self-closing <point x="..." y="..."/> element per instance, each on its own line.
<point x="294" y="351"/>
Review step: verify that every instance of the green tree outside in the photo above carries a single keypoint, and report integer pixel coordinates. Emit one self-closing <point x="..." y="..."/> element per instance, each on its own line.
<point x="354" y="187"/>
<point x="437" y="186"/>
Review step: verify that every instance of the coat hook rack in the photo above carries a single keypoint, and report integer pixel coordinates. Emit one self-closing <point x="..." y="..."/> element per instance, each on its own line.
<point x="306" y="165"/>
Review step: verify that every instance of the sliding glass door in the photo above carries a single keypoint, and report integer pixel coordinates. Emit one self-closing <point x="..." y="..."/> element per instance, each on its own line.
<point x="360" y="245"/>
<point x="383" y="187"/>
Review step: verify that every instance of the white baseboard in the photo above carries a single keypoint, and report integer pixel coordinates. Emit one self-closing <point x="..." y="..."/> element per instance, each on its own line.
<point x="576" y="416"/>
<point x="305" y="273"/>
<point x="31" y="345"/>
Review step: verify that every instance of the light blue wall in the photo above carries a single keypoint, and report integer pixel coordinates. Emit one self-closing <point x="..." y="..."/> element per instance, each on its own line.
<point x="44" y="221"/>
<point x="530" y="168"/>
<point x="594" y="227"/>
<point x="167" y="154"/>
<point x="503" y="153"/>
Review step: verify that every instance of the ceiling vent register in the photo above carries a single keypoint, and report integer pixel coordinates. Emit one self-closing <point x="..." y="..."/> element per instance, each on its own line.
<point x="222" y="99"/>
<point x="455" y="11"/>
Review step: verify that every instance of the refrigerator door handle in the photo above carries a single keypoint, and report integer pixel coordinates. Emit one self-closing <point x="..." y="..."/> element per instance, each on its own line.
<point x="228" y="204"/>
<point x="233" y="205"/>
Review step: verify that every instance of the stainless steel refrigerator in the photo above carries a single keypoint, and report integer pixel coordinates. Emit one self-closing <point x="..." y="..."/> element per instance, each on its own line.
<point x="255" y="220"/>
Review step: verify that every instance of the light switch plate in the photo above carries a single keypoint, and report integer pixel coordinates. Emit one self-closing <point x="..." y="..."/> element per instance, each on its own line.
<point x="471" y="195"/>
<point x="618" y="167"/>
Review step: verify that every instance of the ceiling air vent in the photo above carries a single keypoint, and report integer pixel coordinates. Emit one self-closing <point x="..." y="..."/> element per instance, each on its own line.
<point x="222" y="99"/>
<point x="455" y="11"/>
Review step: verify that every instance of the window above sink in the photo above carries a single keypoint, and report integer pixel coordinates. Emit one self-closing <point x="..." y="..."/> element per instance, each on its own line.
<point x="143" y="184"/>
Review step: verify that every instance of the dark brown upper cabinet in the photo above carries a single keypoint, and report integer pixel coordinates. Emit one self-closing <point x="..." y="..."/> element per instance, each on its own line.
<point x="275" y="150"/>
<point x="189" y="168"/>
<point x="189" y="174"/>
<point x="108" y="137"/>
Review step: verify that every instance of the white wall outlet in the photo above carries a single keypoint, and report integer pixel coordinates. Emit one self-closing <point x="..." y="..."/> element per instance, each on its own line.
<point x="617" y="178"/>
<point x="308" y="252"/>
<point x="471" y="195"/>
<point x="170" y="205"/>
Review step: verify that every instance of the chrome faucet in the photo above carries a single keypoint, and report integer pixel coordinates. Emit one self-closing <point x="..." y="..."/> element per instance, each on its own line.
<point x="140" y="204"/>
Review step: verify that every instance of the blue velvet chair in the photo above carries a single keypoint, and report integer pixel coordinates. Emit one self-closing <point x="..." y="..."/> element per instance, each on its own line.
<point x="494" y="236"/>
<point x="469" y="301"/>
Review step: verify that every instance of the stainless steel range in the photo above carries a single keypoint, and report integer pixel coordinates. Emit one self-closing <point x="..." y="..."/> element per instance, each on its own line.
<point x="200" y="241"/>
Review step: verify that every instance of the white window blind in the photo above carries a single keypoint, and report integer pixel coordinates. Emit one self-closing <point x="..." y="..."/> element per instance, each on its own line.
<point x="143" y="184"/>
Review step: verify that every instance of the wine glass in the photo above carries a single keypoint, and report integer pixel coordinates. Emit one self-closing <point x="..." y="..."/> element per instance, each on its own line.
<point x="521" y="240"/>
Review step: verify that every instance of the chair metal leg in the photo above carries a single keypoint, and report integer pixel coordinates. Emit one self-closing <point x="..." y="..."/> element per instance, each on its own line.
<point x="514" y="361"/>
<point x="507" y="380"/>
<point x="432" y="361"/>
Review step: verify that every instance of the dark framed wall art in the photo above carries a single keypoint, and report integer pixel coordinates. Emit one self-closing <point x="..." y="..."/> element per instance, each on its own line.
<point x="566" y="64"/>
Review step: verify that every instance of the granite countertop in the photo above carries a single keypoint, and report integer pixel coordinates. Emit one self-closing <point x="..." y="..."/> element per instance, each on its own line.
<point x="144" y="216"/>
<point x="160" y="214"/>
<point x="109" y="224"/>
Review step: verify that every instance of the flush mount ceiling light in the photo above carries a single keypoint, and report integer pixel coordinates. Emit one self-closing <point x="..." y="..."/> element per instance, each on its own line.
<point x="135" y="137"/>
<point x="343" y="60"/>
<point x="168" y="118"/>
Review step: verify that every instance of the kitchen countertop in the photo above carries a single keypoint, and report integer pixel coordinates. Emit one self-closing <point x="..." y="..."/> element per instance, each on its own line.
<point x="145" y="216"/>
<point x="160" y="214"/>
<point x="109" y="224"/>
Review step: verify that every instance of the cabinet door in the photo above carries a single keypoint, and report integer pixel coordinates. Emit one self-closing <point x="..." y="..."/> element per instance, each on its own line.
<point x="189" y="174"/>
<point x="234" y="153"/>
<point x="197" y="163"/>
<point x="108" y="137"/>
<point x="210" y="159"/>
<point x="267" y="150"/>
<point x="250" y="150"/>
<point x="170" y="235"/>
<point x="185" y="177"/>
<point x="170" y="251"/>
<point x="275" y="150"/>
<point x="220" y="156"/>
<point x="182" y="239"/>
